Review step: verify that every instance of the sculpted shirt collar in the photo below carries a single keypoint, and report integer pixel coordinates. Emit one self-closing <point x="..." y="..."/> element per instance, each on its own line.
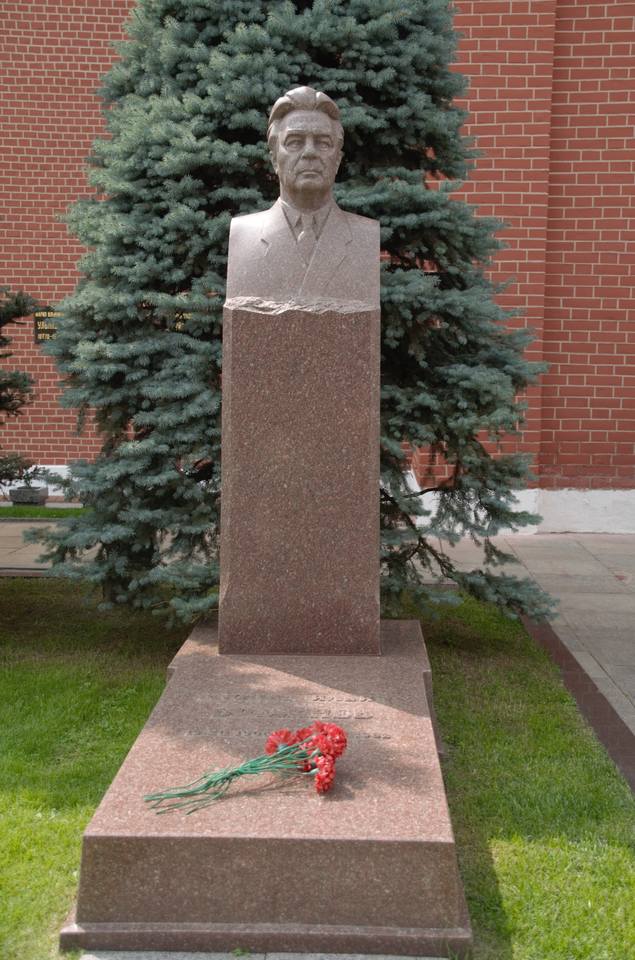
<point x="294" y="217"/>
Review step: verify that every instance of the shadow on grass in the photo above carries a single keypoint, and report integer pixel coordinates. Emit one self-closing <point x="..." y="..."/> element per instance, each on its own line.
<point x="51" y="618"/>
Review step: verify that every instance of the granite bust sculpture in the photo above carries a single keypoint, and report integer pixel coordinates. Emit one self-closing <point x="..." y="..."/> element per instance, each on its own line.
<point x="304" y="247"/>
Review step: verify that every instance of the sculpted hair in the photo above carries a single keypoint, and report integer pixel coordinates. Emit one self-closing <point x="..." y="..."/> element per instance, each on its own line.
<point x="302" y="98"/>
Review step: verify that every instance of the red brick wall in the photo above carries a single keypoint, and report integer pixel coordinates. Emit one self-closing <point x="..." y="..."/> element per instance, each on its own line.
<point x="52" y="57"/>
<point x="551" y="101"/>
<point x="588" y="425"/>
<point x="507" y="53"/>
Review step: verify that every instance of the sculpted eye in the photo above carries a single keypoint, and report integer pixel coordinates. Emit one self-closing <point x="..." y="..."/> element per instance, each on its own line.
<point x="293" y="143"/>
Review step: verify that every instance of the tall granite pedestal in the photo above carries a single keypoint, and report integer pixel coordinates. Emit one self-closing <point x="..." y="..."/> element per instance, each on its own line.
<point x="300" y="478"/>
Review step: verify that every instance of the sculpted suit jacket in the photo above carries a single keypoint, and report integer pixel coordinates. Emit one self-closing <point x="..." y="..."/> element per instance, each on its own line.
<point x="264" y="260"/>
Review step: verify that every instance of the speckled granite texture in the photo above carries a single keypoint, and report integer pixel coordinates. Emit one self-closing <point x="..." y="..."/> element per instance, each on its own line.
<point x="370" y="868"/>
<point x="300" y="478"/>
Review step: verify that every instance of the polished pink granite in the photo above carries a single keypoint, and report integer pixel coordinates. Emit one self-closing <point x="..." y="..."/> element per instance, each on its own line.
<point x="369" y="868"/>
<point x="300" y="478"/>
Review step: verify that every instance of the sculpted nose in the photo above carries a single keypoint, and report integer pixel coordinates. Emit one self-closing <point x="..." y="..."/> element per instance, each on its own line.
<point x="309" y="148"/>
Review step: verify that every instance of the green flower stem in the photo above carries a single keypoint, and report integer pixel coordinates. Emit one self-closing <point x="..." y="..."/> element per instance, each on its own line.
<point x="215" y="783"/>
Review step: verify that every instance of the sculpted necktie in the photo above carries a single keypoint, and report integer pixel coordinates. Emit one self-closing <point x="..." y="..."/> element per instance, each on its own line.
<point x="306" y="238"/>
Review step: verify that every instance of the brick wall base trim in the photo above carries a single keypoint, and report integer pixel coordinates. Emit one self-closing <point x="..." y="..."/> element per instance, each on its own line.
<point x="583" y="511"/>
<point x="571" y="510"/>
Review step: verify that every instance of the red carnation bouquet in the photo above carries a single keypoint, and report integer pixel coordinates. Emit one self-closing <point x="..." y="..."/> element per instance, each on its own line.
<point x="310" y="751"/>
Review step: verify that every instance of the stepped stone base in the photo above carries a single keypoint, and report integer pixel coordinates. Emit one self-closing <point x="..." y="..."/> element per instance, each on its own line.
<point x="370" y="868"/>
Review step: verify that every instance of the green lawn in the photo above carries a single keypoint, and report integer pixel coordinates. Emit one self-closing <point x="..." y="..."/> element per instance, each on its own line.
<point x="39" y="513"/>
<point x="75" y="688"/>
<point x="544" y="825"/>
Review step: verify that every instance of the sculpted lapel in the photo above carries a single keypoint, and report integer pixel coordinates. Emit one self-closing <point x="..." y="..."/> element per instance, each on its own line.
<point x="330" y="252"/>
<point x="277" y="241"/>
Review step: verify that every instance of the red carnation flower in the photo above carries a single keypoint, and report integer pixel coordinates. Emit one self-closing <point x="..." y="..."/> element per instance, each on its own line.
<point x="303" y="733"/>
<point x="325" y="775"/>
<point x="330" y="739"/>
<point x="279" y="738"/>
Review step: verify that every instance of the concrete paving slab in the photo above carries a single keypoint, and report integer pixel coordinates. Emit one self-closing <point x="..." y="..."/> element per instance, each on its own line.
<point x="622" y="566"/>
<point x="466" y="556"/>
<point x="612" y="636"/>
<point x="608" y="543"/>
<point x="26" y="557"/>
<point x="554" y="543"/>
<point x="15" y="554"/>
<point x="621" y="553"/>
<point x="622" y="575"/>
<point x="561" y="584"/>
<point x="621" y="672"/>
<point x="600" y="604"/>
<point x="589" y="664"/>
<point x="17" y="546"/>
<point x="544" y="564"/>
<point x="509" y="569"/>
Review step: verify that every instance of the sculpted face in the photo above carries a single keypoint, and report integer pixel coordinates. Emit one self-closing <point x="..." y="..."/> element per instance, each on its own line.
<point x="307" y="158"/>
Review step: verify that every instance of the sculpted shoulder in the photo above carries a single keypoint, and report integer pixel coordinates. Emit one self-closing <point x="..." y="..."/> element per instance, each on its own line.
<point x="249" y="224"/>
<point x="362" y="226"/>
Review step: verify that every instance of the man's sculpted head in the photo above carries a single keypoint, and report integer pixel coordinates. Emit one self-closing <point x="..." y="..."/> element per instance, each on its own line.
<point x="305" y="138"/>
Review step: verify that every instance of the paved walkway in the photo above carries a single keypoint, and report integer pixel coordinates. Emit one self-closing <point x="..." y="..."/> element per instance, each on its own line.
<point x="592" y="576"/>
<point x="15" y="554"/>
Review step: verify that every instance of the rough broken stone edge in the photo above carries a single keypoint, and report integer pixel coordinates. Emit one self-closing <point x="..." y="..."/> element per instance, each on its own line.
<point x="300" y="304"/>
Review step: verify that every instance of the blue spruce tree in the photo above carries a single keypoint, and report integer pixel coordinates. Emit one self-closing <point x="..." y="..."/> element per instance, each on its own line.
<point x="186" y="111"/>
